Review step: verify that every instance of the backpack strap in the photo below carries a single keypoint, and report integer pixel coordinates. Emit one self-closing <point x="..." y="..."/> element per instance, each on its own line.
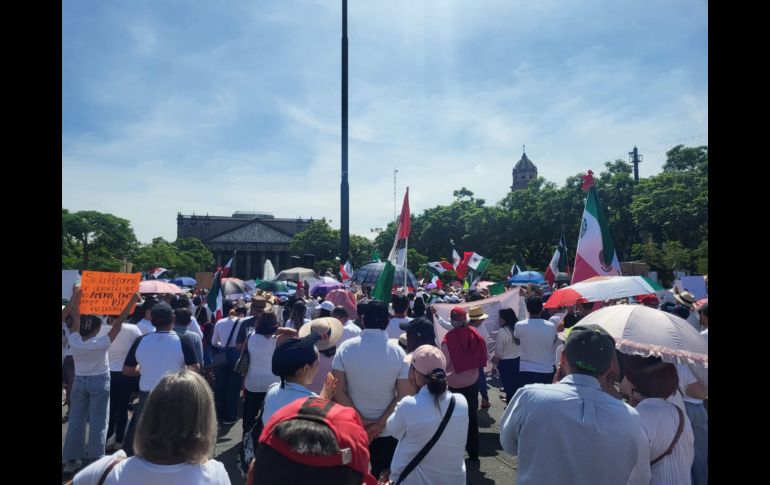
<point x="109" y="469"/>
<point x="676" y="437"/>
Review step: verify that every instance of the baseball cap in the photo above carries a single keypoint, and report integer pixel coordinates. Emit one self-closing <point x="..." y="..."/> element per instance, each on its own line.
<point x="344" y="423"/>
<point x="589" y="348"/>
<point x="427" y="358"/>
<point x="161" y="311"/>
<point x="293" y="354"/>
<point x="458" y="314"/>
<point x="327" y="305"/>
<point x="419" y="326"/>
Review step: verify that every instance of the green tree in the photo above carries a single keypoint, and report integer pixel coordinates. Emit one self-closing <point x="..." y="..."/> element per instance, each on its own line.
<point x="676" y="256"/>
<point x="701" y="257"/>
<point x="102" y="241"/>
<point x="157" y="254"/>
<point x="318" y="239"/>
<point x="192" y="256"/>
<point x="686" y="159"/>
<point x="360" y="250"/>
<point x="415" y="261"/>
<point x="615" y="187"/>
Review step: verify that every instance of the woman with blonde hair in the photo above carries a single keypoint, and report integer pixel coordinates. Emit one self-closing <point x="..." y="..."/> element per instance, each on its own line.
<point x="174" y="437"/>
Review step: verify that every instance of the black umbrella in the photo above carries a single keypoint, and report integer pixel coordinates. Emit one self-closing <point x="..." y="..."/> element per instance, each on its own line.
<point x="368" y="275"/>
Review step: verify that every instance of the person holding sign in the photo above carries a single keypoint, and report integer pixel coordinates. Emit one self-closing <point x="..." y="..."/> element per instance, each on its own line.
<point x="91" y="391"/>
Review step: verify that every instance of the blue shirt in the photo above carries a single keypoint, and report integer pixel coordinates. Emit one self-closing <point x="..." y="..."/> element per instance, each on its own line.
<point x="574" y="432"/>
<point x="277" y="397"/>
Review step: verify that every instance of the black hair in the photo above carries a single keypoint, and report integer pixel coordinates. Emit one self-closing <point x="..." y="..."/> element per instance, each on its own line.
<point x="324" y="313"/>
<point x="678" y="310"/>
<point x="437" y="384"/>
<point x="411" y="296"/>
<point x="202" y="315"/>
<point x="361" y="307"/>
<point x="149" y="302"/>
<point x="267" y="324"/>
<point x="298" y="307"/>
<point x="138" y="314"/>
<point x="89" y="323"/>
<point x="419" y="308"/>
<point x="180" y="301"/>
<point x="376" y="315"/>
<point x="588" y="305"/>
<point x="340" y="312"/>
<point x="473" y="295"/>
<point x="508" y="317"/>
<point x="571" y="319"/>
<point x="400" y="303"/>
<point x="241" y="311"/>
<point x="182" y="316"/>
<point x="306" y="437"/>
<point x="534" y="305"/>
<point x="227" y="305"/>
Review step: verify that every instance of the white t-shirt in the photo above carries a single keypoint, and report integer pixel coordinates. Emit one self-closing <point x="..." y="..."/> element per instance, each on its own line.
<point x="121" y="345"/>
<point x="505" y="347"/>
<point x="90" y="356"/>
<point x="413" y="423"/>
<point x="158" y="353"/>
<point x="195" y="327"/>
<point x="538" y="342"/>
<point x="137" y="470"/>
<point x="349" y="330"/>
<point x="145" y="326"/>
<point x="260" y="374"/>
<point x="290" y="323"/>
<point x="705" y="334"/>
<point x="372" y="364"/>
<point x="686" y="377"/>
<point x="221" y="334"/>
<point x="393" y="330"/>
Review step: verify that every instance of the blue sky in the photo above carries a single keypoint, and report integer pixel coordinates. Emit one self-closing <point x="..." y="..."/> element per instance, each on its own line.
<point x="217" y="106"/>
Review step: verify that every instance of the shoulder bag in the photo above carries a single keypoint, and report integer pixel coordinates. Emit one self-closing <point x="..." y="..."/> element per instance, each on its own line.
<point x="426" y="449"/>
<point x="242" y="364"/>
<point x="676" y="437"/>
<point x="220" y="358"/>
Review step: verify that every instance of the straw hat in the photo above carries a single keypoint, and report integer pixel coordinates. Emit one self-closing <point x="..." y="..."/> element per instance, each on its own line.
<point x="323" y="326"/>
<point x="476" y="313"/>
<point x="685" y="298"/>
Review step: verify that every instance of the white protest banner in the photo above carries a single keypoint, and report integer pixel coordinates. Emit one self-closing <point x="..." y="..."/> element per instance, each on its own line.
<point x="491" y="306"/>
<point x="68" y="278"/>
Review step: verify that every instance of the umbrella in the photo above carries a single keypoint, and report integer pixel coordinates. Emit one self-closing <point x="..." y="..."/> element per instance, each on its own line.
<point x="369" y="273"/>
<point x="527" y="277"/>
<point x="344" y="298"/>
<point x="273" y="286"/>
<point x="600" y="288"/>
<point x="233" y="286"/>
<point x="158" y="287"/>
<point x="430" y="286"/>
<point x="297" y="274"/>
<point x="645" y="331"/>
<point x="183" y="281"/>
<point x="324" y="288"/>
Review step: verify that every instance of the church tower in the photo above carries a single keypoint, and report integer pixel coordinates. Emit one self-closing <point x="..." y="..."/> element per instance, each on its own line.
<point x="524" y="172"/>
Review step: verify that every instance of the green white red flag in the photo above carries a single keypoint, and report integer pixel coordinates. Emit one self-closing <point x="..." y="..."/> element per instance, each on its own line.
<point x="596" y="254"/>
<point x="558" y="262"/>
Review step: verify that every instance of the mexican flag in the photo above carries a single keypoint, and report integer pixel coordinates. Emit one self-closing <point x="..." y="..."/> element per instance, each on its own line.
<point x="155" y="272"/>
<point x="439" y="267"/>
<point x="558" y="262"/>
<point x="455" y="259"/>
<point x="596" y="254"/>
<point x="478" y="263"/>
<point x="462" y="268"/>
<point x="397" y="254"/>
<point x="346" y="271"/>
<point x="226" y="269"/>
<point x="384" y="285"/>
<point x="214" y="300"/>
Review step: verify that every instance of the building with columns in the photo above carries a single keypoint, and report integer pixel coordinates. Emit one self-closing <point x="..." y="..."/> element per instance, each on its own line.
<point x="252" y="237"/>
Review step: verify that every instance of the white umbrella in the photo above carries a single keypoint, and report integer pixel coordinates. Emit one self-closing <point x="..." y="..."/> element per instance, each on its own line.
<point x="644" y="331"/>
<point x="601" y="288"/>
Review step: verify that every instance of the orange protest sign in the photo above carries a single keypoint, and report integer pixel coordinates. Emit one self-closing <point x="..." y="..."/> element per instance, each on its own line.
<point x="107" y="293"/>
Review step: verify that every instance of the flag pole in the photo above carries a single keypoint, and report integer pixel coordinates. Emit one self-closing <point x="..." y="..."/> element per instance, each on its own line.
<point x="406" y="251"/>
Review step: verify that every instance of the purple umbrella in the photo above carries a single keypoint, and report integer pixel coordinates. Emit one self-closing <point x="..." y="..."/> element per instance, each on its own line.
<point x="324" y="288"/>
<point x="430" y="286"/>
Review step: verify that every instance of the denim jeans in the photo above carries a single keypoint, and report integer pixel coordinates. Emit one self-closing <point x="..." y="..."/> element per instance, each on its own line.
<point x="482" y="382"/>
<point x="509" y="375"/>
<point x="227" y="392"/>
<point x="89" y="401"/>
<point x="699" y="420"/>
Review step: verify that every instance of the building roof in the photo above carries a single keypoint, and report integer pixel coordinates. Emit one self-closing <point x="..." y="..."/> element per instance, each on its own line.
<point x="525" y="164"/>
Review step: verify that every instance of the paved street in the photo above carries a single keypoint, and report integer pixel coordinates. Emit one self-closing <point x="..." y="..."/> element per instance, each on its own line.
<point x="496" y="466"/>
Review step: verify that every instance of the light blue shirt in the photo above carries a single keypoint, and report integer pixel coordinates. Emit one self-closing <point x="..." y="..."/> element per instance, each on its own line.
<point x="574" y="432"/>
<point x="277" y="398"/>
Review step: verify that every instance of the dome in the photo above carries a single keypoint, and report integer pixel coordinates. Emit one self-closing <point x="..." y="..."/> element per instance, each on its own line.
<point x="525" y="164"/>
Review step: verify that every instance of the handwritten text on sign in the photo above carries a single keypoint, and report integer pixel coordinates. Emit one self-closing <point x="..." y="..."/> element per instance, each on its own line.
<point x="107" y="293"/>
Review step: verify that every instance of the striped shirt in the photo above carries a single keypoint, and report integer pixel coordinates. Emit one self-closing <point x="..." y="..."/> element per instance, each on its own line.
<point x="659" y="424"/>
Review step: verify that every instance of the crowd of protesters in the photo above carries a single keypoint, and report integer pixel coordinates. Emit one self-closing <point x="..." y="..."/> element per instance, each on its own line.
<point x="375" y="396"/>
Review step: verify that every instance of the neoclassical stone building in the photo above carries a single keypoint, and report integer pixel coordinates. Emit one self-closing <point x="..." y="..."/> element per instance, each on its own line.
<point x="523" y="173"/>
<point x="252" y="236"/>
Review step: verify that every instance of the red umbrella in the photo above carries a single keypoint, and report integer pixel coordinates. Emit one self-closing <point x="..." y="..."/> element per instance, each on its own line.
<point x="564" y="297"/>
